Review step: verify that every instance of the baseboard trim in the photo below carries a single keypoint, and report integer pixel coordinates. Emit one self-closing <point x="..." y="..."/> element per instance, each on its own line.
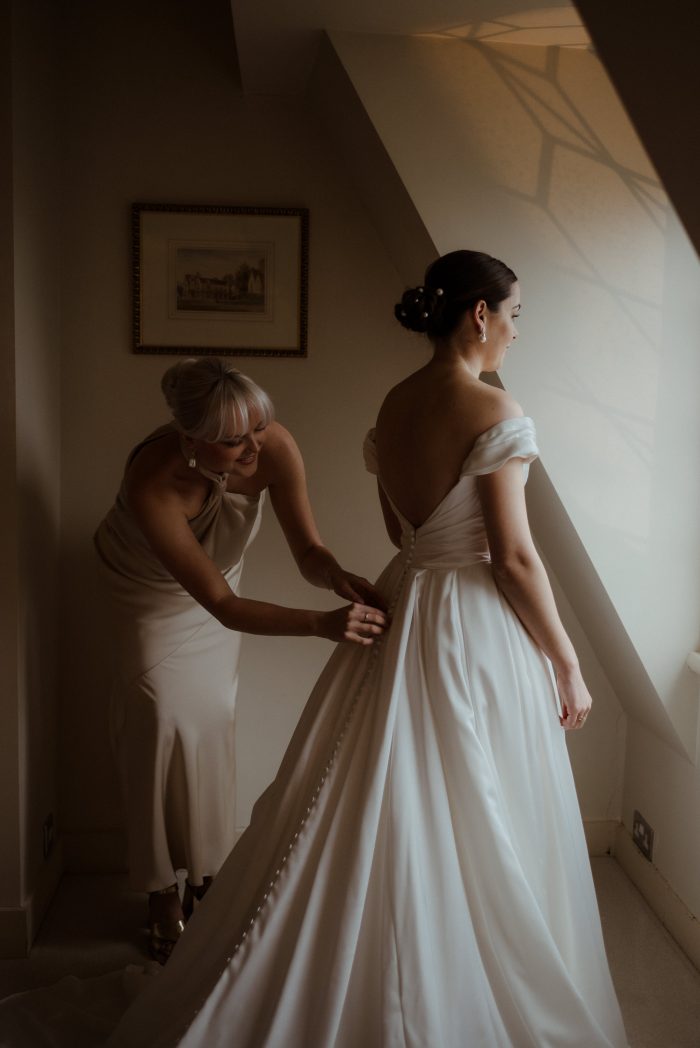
<point x="673" y="913"/>
<point x="19" y="924"/>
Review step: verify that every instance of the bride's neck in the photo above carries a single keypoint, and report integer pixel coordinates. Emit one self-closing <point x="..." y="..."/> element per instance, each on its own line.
<point x="459" y="353"/>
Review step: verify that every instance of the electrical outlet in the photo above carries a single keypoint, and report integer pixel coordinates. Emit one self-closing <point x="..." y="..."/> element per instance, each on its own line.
<point x="48" y="835"/>
<point x="642" y="835"/>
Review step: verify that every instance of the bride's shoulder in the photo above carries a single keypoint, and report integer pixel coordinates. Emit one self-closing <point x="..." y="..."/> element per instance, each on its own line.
<point x="405" y="391"/>
<point x="491" y="406"/>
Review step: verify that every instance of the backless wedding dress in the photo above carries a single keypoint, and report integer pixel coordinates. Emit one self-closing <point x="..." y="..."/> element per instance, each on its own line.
<point x="416" y="876"/>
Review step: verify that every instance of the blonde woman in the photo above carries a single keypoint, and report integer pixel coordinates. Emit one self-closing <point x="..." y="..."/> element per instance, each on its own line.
<point x="172" y="549"/>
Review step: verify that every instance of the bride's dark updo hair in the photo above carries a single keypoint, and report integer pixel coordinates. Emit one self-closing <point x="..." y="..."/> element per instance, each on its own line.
<point x="453" y="283"/>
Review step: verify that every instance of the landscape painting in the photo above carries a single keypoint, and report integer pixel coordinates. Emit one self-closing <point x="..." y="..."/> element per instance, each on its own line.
<point x="228" y="279"/>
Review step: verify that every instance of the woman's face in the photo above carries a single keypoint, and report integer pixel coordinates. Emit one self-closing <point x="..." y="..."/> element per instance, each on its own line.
<point x="237" y="452"/>
<point x="501" y="329"/>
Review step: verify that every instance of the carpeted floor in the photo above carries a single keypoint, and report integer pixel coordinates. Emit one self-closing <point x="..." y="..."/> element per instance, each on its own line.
<point x="96" y="925"/>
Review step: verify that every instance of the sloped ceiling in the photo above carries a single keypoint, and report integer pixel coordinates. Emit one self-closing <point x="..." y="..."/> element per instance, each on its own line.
<point x="277" y="43"/>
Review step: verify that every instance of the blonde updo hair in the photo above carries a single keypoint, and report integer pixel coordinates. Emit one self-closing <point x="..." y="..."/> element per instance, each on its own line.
<point x="210" y="399"/>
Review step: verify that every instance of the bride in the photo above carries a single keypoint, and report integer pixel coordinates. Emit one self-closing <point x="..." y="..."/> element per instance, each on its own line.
<point x="417" y="874"/>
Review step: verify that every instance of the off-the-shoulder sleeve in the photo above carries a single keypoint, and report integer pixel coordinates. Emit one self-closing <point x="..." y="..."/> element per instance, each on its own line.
<point x="369" y="450"/>
<point x="512" y="438"/>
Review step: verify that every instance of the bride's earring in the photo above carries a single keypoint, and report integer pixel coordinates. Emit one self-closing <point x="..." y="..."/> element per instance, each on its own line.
<point x="482" y="334"/>
<point x="192" y="461"/>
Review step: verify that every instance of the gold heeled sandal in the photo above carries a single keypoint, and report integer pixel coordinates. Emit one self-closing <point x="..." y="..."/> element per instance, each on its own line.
<point x="163" y="937"/>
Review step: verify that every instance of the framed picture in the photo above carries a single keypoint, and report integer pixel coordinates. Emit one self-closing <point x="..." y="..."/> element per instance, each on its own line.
<point x="220" y="280"/>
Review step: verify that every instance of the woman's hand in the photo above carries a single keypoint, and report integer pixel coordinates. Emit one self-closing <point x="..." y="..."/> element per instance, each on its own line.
<point x="354" y="587"/>
<point x="358" y="623"/>
<point x="284" y="471"/>
<point x="575" y="699"/>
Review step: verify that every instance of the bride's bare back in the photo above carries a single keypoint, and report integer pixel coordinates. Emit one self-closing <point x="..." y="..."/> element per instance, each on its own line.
<point x="427" y="426"/>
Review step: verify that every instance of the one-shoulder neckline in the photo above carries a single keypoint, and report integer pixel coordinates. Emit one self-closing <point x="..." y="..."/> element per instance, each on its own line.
<point x="243" y="495"/>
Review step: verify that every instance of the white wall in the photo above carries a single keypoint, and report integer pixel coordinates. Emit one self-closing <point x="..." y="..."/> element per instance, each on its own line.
<point x="37" y="346"/>
<point x="527" y="153"/>
<point x="153" y="113"/>
<point x="658" y="780"/>
<point x="30" y="467"/>
<point x="10" y="856"/>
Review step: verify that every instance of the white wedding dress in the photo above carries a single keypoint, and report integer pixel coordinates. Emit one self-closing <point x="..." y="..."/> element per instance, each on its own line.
<point x="416" y="876"/>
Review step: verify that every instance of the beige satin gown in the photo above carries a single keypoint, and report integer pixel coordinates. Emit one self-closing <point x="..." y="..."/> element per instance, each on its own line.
<point x="173" y="703"/>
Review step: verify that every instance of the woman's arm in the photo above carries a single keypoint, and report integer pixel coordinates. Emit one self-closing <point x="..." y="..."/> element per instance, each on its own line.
<point x="520" y="575"/>
<point x="162" y="519"/>
<point x="289" y="495"/>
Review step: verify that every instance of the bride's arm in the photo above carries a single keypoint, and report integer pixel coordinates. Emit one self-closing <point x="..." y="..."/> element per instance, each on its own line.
<point x="521" y="577"/>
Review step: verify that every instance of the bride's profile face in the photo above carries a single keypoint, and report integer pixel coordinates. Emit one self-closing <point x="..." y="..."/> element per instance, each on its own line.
<point x="501" y="326"/>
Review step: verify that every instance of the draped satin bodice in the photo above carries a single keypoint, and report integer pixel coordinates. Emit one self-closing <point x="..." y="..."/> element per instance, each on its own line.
<point x="454" y="535"/>
<point x="225" y="526"/>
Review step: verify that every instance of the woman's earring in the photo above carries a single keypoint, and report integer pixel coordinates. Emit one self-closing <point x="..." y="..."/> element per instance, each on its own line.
<point x="189" y="453"/>
<point x="482" y="334"/>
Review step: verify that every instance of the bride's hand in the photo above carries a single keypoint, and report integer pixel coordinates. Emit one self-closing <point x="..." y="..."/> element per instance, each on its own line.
<point x="575" y="699"/>
<point x="358" y="623"/>
<point x="355" y="588"/>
